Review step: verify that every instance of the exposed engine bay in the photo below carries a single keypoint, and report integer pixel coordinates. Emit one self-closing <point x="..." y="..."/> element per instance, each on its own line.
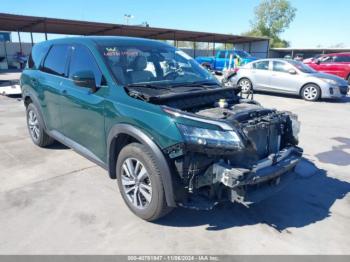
<point x="245" y="174"/>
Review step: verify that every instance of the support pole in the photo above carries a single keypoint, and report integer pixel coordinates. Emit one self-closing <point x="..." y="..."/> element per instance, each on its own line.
<point x="7" y="60"/>
<point x="20" y="43"/>
<point x="194" y="49"/>
<point x="31" y="38"/>
<point x="45" y="29"/>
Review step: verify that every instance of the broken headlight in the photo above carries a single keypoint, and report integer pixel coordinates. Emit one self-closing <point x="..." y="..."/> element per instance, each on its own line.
<point x="330" y="81"/>
<point x="295" y="126"/>
<point x="210" y="137"/>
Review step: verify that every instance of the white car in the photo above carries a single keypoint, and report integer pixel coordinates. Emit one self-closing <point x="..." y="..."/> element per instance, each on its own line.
<point x="10" y="87"/>
<point x="290" y="77"/>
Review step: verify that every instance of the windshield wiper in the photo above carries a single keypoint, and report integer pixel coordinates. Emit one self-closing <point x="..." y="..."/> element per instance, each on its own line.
<point x="148" y="85"/>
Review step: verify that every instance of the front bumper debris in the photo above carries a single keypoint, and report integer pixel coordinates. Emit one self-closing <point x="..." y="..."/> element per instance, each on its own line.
<point x="264" y="179"/>
<point x="248" y="186"/>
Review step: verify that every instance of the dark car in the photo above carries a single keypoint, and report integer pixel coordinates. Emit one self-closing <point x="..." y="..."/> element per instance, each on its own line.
<point x="336" y="64"/>
<point x="158" y="122"/>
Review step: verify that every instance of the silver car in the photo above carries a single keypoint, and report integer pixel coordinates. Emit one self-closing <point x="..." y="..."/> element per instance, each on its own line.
<point x="290" y="77"/>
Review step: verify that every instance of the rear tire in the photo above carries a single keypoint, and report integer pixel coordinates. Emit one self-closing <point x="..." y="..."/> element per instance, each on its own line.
<point x="245" y="85"/>
<point x="36" y="127"/>
<point x="311" y="92"/>
<point x="140" y="182"/>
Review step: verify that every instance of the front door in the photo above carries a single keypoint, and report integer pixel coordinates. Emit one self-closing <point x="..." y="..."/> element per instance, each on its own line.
<point x="83" y="110"/>
<point x="325" y="64"/>
<point x="282" y="79"/>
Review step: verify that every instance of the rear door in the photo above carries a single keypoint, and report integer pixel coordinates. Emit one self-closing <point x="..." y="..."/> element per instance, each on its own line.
<point x="282" y="79"/>
<point x="52" y="81"/>
<point x="260" y="75"/>
<point x="83" y="110"/>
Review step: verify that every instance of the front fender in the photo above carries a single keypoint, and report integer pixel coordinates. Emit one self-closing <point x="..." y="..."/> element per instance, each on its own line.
<point x="162" y="163"/>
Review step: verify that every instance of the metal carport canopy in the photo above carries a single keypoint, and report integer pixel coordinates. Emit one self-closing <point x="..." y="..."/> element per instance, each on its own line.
<point x="21" y="23"/>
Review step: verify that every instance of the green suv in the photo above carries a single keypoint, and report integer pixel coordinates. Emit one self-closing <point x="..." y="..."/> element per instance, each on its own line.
<point x="158" y="122"/>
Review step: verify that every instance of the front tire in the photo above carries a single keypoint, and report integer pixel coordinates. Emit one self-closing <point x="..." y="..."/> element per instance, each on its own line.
<point x="140" y="182"/>
<point x="36" y="127"/>
<point x="311" y="92"/>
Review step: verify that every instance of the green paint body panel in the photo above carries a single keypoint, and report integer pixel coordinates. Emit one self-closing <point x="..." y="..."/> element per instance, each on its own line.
<point x="86" y="117"/>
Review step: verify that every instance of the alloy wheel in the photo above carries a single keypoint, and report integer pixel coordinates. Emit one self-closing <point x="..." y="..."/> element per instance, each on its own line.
<point x="136" y="183"/>
<point x="245" y="85"/>
<point x="310" y="92"/>
<point x="33" y="124"/>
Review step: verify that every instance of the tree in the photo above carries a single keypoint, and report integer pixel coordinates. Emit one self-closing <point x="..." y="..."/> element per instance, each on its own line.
<point x="272" y="17"/>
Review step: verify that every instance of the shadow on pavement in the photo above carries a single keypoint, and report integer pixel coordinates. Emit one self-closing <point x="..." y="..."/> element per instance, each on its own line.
<point x="305" y="201"/>
<point x="57" y="146"/>
<point x="338" y="155"/>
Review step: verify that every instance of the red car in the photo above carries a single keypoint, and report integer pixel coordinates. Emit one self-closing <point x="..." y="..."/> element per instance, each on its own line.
<point x="337" y="64"/>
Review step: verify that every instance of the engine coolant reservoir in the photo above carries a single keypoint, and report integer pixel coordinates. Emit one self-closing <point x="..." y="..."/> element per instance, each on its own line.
<point x="222" y="103"/>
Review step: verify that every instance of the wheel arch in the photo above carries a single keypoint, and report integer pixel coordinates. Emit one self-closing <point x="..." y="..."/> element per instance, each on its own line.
<point x="122" y="134"/>
<point x="207" y="65"/>
<point x="245" y="77"/>
<point x="29" y="98"/>
<point x="310" y="83"/>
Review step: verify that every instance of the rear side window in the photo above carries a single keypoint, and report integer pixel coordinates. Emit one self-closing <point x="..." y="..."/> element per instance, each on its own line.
<point x="82" y="60"/>
<point x="56" y="60"/>
<point x="222" y="55"/>
<point x="342" y="59"/>
<point x="280" y="67"/>
<point x="262" y="65"/>
<point x="326" y="59"/>
<point x="37" y="54"/>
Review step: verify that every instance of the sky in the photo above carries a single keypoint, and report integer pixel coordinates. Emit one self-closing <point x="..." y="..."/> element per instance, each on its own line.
<point x="318" y="23"/>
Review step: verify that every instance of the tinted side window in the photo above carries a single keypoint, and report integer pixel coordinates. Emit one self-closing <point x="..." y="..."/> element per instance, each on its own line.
<point x="222" y="55"/>
<point x="56" y="60"/>
<point x="342" y="59"/>
<point x="82" y="60"/>
<point x="37" y="54"/>
<point x="326" y="59"/>
<point x="262" y="65"/>
<point x="280" y="67"/>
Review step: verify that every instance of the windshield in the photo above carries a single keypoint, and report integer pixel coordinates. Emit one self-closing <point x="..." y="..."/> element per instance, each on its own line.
<point x="154" y="64"/>
<point x="242" y="54"/>
<point x="302" y="67"/>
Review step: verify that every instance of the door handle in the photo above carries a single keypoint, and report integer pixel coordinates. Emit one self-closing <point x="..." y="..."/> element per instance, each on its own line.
<point x="64" y="91"/>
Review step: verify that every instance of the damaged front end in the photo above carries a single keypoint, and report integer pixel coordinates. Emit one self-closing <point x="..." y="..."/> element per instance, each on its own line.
<point x="233" y="150"/>
<point x="249" y="156"/>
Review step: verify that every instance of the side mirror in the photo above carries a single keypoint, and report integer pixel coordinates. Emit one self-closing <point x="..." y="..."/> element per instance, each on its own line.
<point x="317" y="61"/>
<point x="85" y="79"/>
<point x="292" y="72"/>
